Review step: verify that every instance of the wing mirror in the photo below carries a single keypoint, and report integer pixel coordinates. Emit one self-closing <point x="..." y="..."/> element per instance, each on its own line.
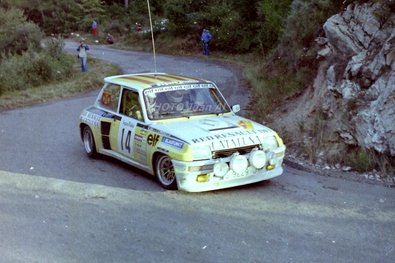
<point x="236" y="108"/>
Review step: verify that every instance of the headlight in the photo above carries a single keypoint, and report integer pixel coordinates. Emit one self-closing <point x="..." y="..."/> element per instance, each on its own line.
<point x="238" y="163"/>
<point x="269" y="143"/>
<point x="201" y="152"/>
<point x="220" y="169"/>
<point x="258" y="159"/>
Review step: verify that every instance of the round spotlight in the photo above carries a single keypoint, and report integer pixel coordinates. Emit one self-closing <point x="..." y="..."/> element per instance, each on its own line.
<point x="258" y="159"/>
<point x="238" y="163"/>
<point x="220" y="169"/>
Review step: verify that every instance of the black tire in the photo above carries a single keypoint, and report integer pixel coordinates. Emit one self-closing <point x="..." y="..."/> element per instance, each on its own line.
<point x="89" y="142"/>
<point x="164" y="172"/>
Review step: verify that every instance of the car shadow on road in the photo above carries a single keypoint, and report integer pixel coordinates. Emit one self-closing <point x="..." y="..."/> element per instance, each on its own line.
<point x="123" y="175"/>
<point x="143" y="181"/>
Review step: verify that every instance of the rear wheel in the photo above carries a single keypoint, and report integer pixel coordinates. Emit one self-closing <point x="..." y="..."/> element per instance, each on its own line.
<point x="89" y="142"/>
<point x="164" y="172"/>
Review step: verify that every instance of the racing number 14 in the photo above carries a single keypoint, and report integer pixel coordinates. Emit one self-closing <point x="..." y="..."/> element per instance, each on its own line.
<point x="126" y="144"/>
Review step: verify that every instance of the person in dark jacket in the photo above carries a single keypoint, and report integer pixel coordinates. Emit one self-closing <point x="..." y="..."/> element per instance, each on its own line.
<point x="206" y="38"/>
<point x="83" y="56"/>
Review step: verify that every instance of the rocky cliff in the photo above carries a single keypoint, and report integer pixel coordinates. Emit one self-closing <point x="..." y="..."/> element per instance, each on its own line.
<point x="352" y="101"/>
<point x="360" y="75"/>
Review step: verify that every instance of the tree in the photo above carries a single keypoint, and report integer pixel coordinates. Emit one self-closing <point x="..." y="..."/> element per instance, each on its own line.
<point x="16" y="34"/>
<point x="270" y="16"/>
<point x="176" y="12"/>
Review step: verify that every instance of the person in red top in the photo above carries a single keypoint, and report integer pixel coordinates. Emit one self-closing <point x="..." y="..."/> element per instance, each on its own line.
<point x="94" y="28"/>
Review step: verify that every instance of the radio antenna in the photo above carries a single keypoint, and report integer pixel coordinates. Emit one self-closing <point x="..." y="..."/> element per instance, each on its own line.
<point x="152" y="34"/>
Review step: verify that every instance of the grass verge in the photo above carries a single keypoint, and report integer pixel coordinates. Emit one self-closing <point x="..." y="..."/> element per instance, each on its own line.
<point x="77" y="83"/>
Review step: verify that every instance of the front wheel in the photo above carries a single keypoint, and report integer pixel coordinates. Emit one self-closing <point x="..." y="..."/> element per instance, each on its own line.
<point x="89" y="142"/>
<point x="164" y="172"/>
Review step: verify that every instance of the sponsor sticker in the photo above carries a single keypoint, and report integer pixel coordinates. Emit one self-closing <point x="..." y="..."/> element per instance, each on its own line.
<point x="233" y="139"/>
<point x="173" y="143"/>
<point x="91" y="119"/>
<point x="245" y="124"/>
<point x="153" y="139"/>
<point x="178" y="87"/>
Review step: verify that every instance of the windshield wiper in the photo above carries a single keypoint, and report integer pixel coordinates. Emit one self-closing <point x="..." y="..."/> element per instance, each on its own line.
<point x="185" y="116"/>
<point x="174" y="115"/>
<point x="214" y="112"/>
<point x="166" y="113"/>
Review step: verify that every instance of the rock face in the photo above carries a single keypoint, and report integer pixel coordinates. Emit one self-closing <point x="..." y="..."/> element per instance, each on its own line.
<point x="355" y="88"/>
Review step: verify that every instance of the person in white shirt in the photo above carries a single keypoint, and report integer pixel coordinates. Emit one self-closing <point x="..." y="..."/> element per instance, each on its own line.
<point x="83" y="56"/>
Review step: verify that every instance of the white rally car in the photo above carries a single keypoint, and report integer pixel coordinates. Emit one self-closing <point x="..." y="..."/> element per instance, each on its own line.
<point x="181" y="130"/>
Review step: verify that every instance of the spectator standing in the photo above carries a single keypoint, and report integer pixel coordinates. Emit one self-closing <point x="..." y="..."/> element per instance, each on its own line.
<point x="139" y="27"/>
<point x="206" y="38"/>
<point x="94" y="28"/>
<point x="83" y="56"/>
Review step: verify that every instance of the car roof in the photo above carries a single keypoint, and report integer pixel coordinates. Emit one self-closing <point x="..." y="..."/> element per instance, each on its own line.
<point x="144" y="81"/>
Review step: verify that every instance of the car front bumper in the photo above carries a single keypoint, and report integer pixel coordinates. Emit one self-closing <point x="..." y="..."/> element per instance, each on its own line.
<point x="198" y="176"/>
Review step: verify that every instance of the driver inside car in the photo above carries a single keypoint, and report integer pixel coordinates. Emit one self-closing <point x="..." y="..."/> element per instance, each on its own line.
<point x="178" y="100"/>
<point x="131" y="105"/>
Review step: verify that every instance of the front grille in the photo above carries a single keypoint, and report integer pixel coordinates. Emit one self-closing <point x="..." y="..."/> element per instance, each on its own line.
<point x="229" y="152"/>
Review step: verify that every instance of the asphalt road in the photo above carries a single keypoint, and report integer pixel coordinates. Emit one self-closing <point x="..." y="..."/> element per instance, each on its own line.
<point x="57" y="205"/>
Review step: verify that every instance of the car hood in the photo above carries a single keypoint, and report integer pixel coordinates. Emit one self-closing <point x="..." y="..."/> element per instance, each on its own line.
<point x="219" y="132"/>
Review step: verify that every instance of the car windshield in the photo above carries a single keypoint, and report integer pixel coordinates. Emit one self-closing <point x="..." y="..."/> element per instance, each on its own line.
<point x="184" y="101"/>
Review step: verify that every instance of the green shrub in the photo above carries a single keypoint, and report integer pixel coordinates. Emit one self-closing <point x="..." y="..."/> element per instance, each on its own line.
<point x="40" y="70"/>
<point x="365" y="160"/>
<point x="175" y="10"/>
<point x="44" y="68"/>
<point x="13" y="73"/>
<point x="361" y="160"/>
<point x="229" y="35"/>
<point x="54" y="46"/>
<point x="291" y="67"/>
<point x="384" y="13"/>
<point x="302" y="26"/>
<point x="226" y="27"/>
<point x="232" y="24"/>
<point x="64" y="66"/>
<point x="16" y="34"/>
<point x="19" y="72"/>
<point x="271" y="16"/>
<point x="114" y="27"/>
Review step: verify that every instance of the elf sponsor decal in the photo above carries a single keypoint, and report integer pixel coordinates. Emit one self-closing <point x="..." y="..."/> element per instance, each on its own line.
<point x="153" y="139"/>
<point x="232" y="139"/>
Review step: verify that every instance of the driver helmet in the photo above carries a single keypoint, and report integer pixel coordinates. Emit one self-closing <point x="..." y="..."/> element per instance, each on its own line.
<point x="175" y="96"/>
<point x="151" y="99"/>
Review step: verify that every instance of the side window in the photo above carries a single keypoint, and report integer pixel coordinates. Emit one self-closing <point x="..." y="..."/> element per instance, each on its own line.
<point x="110" y="97"/>
<point x="130" y="104"/>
